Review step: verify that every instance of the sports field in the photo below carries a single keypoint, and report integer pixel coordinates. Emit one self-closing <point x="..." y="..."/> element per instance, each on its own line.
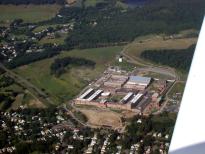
<point x="29" y="13"/>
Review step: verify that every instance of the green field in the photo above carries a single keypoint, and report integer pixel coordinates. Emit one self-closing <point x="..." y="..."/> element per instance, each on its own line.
<point x="72" y="82"/>
<point x="22" y="98"/>
<point x="58" y="41"/>
<point x="157" y="42"/>
<point x="29" y="13"/>
<point x="44" y="27"/>
<point x="92" y="2"/>
<point x="178" y="88"/>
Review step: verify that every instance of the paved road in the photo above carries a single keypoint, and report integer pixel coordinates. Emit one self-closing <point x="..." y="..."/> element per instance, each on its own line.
<point x="30" y="87"/>
<point x="164" y="105"/>
<point x="149" y="66"/>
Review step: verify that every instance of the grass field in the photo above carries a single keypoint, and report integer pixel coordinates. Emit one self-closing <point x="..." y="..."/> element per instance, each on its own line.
<point x="58" y="41"/>
<point x="92" y="2"/>
<point x="154" y="75"/>
<point x="156" y="43"/>
<point x="70" y="83"/>
<point x="29" y="13"/>
<point x="178" y="88"/>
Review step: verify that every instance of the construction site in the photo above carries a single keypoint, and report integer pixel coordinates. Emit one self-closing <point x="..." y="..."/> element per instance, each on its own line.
<point x="125" y="91"/>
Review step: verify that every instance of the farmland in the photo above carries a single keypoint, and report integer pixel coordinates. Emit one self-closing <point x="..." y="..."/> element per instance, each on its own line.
<point x="29" y="13"/>
<point x="70" y="83"/>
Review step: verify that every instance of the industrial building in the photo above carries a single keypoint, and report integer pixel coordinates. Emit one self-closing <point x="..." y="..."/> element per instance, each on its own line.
<point x="134" y="102"/>
<point x="130" y="92"/>
<point x="127" y="97"/>
<point x="85" y="94"/>
<point x="143" y="104"/>
<point x="95" y="95"/>
<point x="137" y="82"/>
<point x="116" y="81"/>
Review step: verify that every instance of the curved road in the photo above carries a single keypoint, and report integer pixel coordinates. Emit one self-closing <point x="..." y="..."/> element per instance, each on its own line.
<point x="146" y="66"/>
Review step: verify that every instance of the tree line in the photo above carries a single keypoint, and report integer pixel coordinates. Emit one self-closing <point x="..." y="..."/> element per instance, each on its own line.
<point x="58" y="67"/>
<point x="180" y="59"/>
<point x="31" y="57"/>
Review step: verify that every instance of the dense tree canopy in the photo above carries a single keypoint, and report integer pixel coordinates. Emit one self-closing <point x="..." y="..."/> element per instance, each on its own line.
<point x="58" y="67"/>
<point x="180" y="59"/>
<point x="32" y="57"/>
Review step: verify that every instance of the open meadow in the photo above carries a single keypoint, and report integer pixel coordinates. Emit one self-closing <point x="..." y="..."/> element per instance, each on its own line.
<point x="29" y="13"/>
<point x="157" y="42"/>
<point x="69" y="84"/>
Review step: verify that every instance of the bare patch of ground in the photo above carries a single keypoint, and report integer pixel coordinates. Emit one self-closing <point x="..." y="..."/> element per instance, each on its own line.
<point x="156" y="43"/>
<point x="103" y="118"/>
<point x="129" y="114"/>
<point x="36" y="103"/>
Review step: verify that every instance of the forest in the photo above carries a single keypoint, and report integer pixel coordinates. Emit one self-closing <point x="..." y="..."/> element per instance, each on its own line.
<point x="32" y="57"/>
<point x="180" y="59"/>
<point x="107" y="24"/>
<point x="19" y="2"/>
<point x="59" y="66"/>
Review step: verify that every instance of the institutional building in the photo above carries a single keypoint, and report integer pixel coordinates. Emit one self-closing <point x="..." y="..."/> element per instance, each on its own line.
<point x="137" y="82"/>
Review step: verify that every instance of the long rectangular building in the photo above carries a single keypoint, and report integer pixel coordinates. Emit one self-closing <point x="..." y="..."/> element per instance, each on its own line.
<point x="136" y="99"/>
<point x="86" y="93"/>
<point x="127" y="97"/>
<point x="137" y="82"/>
<point x="93" y="96"/>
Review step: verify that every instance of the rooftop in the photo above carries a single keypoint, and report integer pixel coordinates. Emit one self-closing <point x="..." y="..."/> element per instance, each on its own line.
<point x="140" y="79"/>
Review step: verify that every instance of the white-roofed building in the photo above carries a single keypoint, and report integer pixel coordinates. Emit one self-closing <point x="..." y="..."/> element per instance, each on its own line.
<point x="138" y="82"/>
<point x="127" y="97"/>
<point x="135" y="101"/>
<point x="96" y="94"/>
<point x="89" y="91"/>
